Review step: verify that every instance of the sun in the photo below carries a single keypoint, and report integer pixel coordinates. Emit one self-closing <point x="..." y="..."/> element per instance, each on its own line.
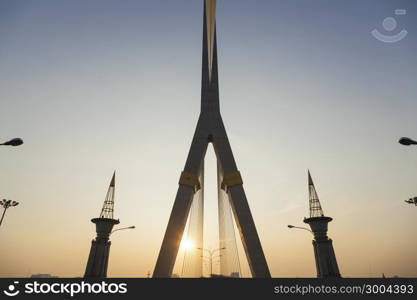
<point x="187" y="245"/>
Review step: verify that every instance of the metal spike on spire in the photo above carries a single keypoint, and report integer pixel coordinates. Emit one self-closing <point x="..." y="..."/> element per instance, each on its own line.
<point x="108" y="206"/>
<point x="315" y="207"/>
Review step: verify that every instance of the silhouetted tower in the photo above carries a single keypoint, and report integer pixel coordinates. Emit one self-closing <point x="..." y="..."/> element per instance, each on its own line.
<point x="210" y="129"/>
<point x="326" y="263"/>
<point x="100" y="247"/>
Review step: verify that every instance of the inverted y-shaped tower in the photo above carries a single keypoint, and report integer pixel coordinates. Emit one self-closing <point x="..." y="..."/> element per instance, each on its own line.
<point x="326" y="263"/>
<point x="98" y="259"/>
<point x="210" y="129"/>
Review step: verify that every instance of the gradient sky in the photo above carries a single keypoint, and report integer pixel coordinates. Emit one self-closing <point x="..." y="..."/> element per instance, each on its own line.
<point x="97" y="86"/>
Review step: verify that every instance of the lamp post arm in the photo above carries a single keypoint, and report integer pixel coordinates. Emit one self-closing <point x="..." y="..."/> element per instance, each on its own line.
<point x="2" y="216"/>
<point x="130" y="227"/>
<point x="211" y="251"/>
<point x="304" y="228"/>
<point x="203" y="249"/>
<point x="215" y="250"/>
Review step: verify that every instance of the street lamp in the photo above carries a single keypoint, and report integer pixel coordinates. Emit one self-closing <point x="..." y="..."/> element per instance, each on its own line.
<point x="6" y="204"/>
<point x="130" y="227"/>
<point x="412" y="201"/>
<point x="407" y="141"/>
<point x="210" y="261"/>
<point x="211" y="252"/>
<point x="13" y="142"/>
<point x="304" y="228"/>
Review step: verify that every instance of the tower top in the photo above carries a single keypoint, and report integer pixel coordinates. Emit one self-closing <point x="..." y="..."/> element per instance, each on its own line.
<point x="108" y="205"/>
<point x="209" y="76"/>
<point x="210" y="7"/>
<point x="315" y="207"/>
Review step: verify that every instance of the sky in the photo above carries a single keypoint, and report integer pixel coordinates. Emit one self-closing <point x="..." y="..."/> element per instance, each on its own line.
<point x="97" y="86"/>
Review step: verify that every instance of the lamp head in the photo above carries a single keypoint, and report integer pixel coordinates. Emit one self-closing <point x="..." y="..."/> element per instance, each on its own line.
<point x="8" y="203"/>
<point x="406" y="141"/>
<point x="14" y="142"/>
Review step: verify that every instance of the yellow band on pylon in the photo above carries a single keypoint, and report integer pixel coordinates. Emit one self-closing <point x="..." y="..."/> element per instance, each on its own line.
<point x="231" y="179"/>
<point x="190" y="179"/>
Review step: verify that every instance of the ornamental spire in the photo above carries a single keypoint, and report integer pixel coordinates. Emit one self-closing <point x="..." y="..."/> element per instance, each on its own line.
<point x="315" y="207"/>
<point x="108" y="205"/>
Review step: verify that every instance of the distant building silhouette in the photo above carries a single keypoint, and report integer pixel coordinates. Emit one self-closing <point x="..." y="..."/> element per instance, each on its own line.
<point x="43" y="276"/>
